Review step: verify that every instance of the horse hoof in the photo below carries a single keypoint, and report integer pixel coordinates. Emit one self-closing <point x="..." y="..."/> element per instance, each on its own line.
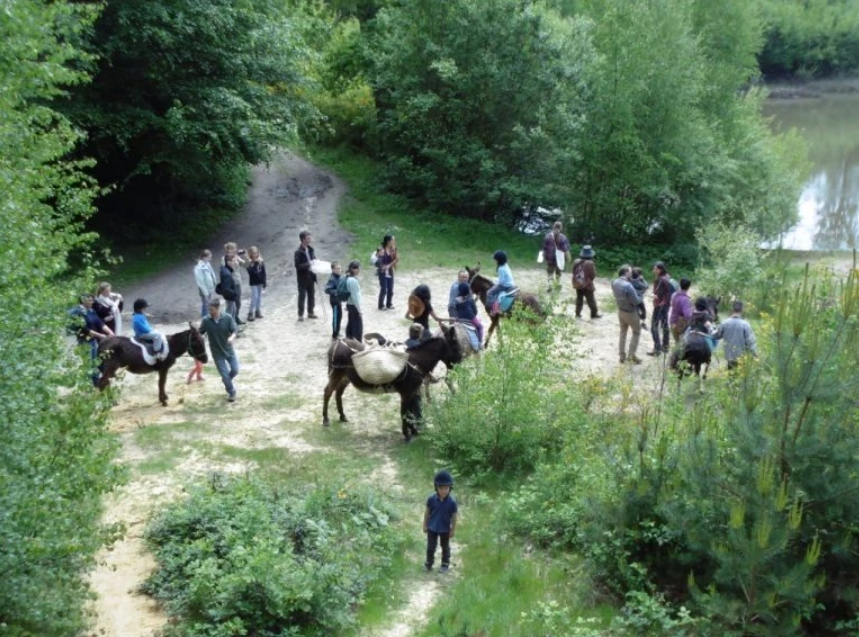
<point x="325" y="422"/>
<point x="344" y="419"/>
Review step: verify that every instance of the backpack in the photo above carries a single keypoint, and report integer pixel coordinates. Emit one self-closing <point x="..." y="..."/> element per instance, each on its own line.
<point x="579" y="281"/>
<point x="673" y="286"/>
<point x="341" y="292"/>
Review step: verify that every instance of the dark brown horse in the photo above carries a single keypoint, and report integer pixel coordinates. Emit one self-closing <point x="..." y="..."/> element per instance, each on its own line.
<point x="480" y="286"/>
<point x="422" y="360"/>
<point x="118" y="352"/>
<point x="693" y="352"/>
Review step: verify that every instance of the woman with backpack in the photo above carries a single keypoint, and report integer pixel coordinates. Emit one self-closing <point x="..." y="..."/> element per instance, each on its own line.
<point x="584" y="273"/>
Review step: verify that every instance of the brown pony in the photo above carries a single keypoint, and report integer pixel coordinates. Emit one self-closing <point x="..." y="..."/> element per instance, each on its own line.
<point x="422" y="360"/>
<point x="118" y="352"/>
<point x="480" y="286"/>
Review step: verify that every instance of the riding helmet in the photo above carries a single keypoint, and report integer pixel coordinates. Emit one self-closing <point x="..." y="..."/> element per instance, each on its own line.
<point x="140" y="305"/>
<point x="500" y="256"/>
<point x="443" y="479"/>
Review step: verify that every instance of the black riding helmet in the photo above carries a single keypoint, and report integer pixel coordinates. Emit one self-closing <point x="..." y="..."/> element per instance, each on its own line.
<point x="140" y="305"/>
<point x="500" y="257"/>
<point x="443" y="479"/>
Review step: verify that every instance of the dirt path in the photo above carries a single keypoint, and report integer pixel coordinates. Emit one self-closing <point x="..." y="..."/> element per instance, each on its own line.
<point x="281" y="361"/>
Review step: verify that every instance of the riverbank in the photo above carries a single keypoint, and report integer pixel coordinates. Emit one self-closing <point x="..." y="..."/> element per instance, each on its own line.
<point x="811" y="89"/>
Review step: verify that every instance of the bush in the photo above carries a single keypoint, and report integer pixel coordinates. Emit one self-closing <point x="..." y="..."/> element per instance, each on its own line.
<point x="242" y="557"/>
<point x="743" y="508"/>
<point x="507" y="411"/>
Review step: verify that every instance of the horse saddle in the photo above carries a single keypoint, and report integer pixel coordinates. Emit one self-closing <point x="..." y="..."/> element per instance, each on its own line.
<point x="150" y="356"/>
<point x="505" y="299"/>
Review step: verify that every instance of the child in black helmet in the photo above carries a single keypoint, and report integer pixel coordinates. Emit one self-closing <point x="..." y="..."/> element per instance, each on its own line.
<point x="440" y="520"/>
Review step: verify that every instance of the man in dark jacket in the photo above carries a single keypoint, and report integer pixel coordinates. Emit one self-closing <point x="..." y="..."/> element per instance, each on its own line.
<point x="584" y="273"/>
<point x="304" y="258"/>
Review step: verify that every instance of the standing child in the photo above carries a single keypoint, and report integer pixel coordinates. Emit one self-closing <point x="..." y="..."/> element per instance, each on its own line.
<point x="336" y="306"/>
<point x="196" y="369"/>
<point x="440" y="520"/>
<point x="256" y="276"/>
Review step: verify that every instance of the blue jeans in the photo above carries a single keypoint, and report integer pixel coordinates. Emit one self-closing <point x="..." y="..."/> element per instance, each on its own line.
<point x="256" y="299"/>
<point x="386" y="289"/>
<point x="204" y="304"/>
<point x="228" y="368"/>
<point x="659" y="325"/>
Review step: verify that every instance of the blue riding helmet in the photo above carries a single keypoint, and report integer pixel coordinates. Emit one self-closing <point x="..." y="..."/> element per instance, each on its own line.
<point x="443" y="479"/>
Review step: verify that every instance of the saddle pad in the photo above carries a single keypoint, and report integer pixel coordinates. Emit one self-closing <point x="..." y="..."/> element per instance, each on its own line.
<point x="378" y="366"/>
<point x="506" y="299"/>
<point x="467" y="337"/>
<point x="148" y="357"/>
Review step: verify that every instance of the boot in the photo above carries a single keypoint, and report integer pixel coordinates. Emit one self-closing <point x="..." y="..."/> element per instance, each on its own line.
<point x="250" y="317"/>
<point x="258" y="314"/>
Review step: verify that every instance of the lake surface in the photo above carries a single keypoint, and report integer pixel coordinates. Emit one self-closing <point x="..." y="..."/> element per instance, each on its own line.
<point x="829" y="204"/>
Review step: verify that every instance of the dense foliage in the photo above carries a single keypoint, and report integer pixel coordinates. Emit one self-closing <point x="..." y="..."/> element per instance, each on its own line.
<point x="478" y="102"/>
<point x="628" y="115"/>
<point x="742" y="509"/>
<point x="240" y="557"/>
<point x="185" y="95"/>
<point x="809" y="38"/>
<point x="55" y="454"/>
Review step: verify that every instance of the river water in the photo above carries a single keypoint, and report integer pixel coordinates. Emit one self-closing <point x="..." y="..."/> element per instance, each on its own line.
<point x="829" y="204"/>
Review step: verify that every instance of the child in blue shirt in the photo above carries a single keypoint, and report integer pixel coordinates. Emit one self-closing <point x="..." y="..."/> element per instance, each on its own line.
<point x="440" y="520"/>
<point x="144" y="333"/>
<point x="336" y="306"/>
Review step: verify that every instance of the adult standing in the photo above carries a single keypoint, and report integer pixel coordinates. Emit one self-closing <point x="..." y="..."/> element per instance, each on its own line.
<point x="662" y="290"/>
<point x="232" y="250"/>
<point x="681" y="309"/>
<point x="386" y="260"/>
<point x="738" y="336"/>
<point x="204" y="277"/>
<point x="355" y="326"/>
<point x="584" y="274"/>
<point x="257" y="280"/>
<point x="461" y="277"/>
<point x="89" y="329"/>
<point x="108" y="306"/>
<point x="228" y="285"/>
<point x="555" y="244"/>
<point x="627" y="300"/>
<point x="221" y="330"/>
<point x="420" y="308"/>
<point x="304" y="258"/>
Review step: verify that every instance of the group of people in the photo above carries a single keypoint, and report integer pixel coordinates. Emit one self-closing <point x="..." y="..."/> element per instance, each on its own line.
<point x="673" y="315"/>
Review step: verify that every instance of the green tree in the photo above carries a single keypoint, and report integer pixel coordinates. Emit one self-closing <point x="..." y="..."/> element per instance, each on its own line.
<point x="479" y="102"/>
<point x="55" y="453"/>
<point x="184" y="96"/>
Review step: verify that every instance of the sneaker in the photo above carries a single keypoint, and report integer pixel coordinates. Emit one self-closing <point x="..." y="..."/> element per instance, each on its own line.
<point x="596" y="316"/>
<point x="199" y="378"/>
<point x="635" y="360"/>
<point x="390" y="307"/>
<point x="654" y="352"/>
<point x="300" y="319"/>
<point x="258" y="314"/>
<point x="427" y="567"/>
<point x="231" y="398"/>
<point x="622" y="360"/>
<point x="312" y="316"/>
<point x="251" y="318"/>
<point x="444" y="568"/>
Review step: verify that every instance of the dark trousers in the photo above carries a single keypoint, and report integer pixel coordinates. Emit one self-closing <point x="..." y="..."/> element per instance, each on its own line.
<point x="305" y="290"/>
<point x="336" y="319"/>
<point x="355" y="326"/>
<point x="581" y="297"/>
<point x="659" y="326"/>
<point x="386" y="290"/>
<point x="432" y="542"/>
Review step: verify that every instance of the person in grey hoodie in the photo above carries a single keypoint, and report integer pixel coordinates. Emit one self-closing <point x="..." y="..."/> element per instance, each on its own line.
<point x="738" y="336"/>
<point x="627" y="313"/>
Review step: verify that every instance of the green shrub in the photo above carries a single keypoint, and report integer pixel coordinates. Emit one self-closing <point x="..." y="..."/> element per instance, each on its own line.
<point x="508" y="410"/>
<point x="742" y="508"/>
<point x="242" y="557"/>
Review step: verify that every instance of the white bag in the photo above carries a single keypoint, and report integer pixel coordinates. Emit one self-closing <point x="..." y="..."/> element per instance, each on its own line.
<point x="540" y="257"/>
<point x="560" y="259"/>
<point x="373" y="258"/>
